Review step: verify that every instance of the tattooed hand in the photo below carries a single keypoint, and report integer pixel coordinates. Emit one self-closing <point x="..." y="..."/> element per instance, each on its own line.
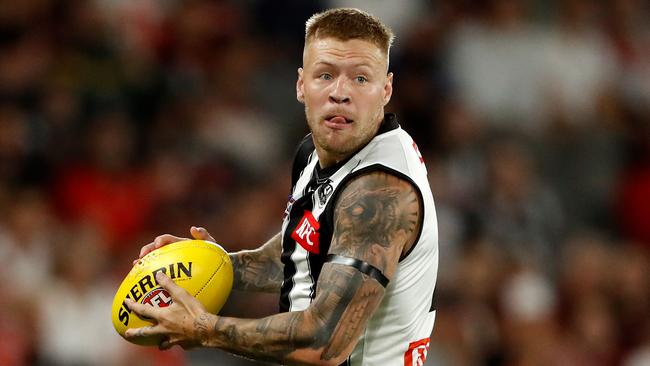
<point x="185" y="322"/>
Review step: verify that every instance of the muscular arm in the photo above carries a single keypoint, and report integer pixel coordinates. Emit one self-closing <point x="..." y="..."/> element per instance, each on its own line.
<point x="376" y="217"/>
<point x="260" y="269"/>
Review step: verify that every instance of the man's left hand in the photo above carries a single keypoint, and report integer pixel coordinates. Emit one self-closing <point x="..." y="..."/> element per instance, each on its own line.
<point x="185" y="322"/>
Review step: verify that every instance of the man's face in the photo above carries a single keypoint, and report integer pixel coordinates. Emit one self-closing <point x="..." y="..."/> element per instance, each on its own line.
<point x="344" y="86"/>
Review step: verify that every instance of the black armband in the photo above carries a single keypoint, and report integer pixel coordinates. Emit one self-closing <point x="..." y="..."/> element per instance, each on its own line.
<point x="361" y="266"/>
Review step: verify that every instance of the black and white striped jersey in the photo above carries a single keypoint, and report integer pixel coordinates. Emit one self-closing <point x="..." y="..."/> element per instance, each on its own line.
<point x="398" y="333"/>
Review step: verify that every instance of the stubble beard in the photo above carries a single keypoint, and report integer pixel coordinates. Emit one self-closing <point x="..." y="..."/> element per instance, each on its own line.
<point x="349" y="145"/>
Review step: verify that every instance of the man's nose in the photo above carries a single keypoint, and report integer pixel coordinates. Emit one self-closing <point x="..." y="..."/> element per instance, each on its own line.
<point x="339" y="93"/>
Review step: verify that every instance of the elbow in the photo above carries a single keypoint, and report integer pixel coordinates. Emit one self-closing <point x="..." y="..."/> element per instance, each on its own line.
<point x="330" y="356"/>
<point x="324" y="350"/>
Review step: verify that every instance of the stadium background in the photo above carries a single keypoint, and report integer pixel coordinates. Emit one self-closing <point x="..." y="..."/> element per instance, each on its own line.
<point x="120" y="120"/>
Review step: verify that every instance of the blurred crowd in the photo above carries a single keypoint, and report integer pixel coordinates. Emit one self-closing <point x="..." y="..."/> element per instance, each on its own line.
<point x="121" y="120"/>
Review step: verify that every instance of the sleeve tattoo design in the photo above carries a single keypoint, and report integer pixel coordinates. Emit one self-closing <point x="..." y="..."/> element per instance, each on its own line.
<point x="376" y="216"/>
<point x="260" y="269"/>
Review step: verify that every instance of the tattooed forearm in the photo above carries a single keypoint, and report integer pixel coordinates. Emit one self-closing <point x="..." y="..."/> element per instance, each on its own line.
<point x="326" y="331"/>
<point x="260" y="269"/>
<point x="268" y="339"/>
<point x="376" y="216"/>
<point x="353" y="298"/>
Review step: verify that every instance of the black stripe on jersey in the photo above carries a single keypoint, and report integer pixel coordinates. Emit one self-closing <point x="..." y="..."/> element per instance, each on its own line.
<point x="329" y="210"/>
<point x="289" y="246"/>
<point x="361" y="266"/>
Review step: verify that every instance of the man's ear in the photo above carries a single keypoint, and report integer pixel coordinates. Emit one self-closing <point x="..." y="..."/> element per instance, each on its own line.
<point x="388" y="88"/>
<point x="300" y="87"/>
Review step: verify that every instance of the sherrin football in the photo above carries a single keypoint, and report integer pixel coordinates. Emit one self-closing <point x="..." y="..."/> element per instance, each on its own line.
<point x="200" y="267"/>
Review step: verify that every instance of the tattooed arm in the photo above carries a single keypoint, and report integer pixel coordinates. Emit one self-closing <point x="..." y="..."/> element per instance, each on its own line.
<point x="259" y="269"/>
<point x="376" y="219"/>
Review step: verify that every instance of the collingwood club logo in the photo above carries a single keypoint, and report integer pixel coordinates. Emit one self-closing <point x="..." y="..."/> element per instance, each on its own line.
<point x="324" y="191"/>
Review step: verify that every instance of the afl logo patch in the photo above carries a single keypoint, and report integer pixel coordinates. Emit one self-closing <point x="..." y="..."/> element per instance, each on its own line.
<point x="158" y="297"/>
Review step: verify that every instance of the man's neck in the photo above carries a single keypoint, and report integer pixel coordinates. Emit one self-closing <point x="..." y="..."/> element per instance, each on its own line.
<point x="327" y="159"/>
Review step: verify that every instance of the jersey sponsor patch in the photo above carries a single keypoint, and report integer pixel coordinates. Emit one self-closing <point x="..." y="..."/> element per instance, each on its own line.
<point x="306" y="233"/>
<point x="416" y="354"/>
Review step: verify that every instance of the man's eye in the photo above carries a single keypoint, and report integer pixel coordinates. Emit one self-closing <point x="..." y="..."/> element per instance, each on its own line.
<point x="361" y="79"/>
<point x="326" y="77"/>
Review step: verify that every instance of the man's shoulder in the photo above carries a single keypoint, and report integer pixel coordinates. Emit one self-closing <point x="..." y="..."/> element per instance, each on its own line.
<point x="301" y="158"/>
<point x="305" y="147"/>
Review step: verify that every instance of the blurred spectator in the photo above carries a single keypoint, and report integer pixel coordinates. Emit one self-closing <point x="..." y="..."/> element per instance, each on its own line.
<point x="578" y="64"/>
<point x="26" y="235"/>
<point x="496" y="64"/>
<point x="519" y="212"/>
<point x="72" y="308"/>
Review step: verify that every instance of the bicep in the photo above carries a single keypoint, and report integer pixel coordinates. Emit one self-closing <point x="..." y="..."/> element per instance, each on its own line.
<point x="376" y="217"/>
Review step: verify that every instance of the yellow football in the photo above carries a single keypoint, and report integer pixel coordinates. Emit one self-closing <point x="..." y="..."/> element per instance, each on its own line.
<point x="200" y="267"/>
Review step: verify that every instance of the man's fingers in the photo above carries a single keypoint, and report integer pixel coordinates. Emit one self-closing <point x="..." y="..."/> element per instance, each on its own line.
<point x="144" y="251"/>
<point x="177" y="293"/>
<point x="200" y="233"/>
<point x="142" y="310"/>
<point x="147" y="331"/>
<point x="162" y="240"/>
<point x="159" y="241"/>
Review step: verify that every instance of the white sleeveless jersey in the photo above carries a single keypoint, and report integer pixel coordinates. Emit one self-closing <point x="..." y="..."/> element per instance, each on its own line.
<point x="398" y="332"/>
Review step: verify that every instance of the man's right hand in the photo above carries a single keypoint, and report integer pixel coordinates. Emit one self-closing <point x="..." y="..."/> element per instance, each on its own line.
<point x="197" y="233"/>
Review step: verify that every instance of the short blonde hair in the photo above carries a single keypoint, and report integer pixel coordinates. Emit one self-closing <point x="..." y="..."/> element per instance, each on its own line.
<point x="347" y="23"/>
